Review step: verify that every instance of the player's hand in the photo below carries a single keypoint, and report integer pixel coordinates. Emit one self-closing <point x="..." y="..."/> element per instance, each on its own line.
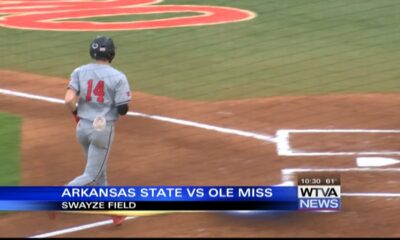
<point x="75" y="114"/>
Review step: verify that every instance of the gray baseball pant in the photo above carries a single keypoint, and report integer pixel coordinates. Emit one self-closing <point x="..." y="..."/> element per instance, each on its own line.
<point x="96" y="146"/>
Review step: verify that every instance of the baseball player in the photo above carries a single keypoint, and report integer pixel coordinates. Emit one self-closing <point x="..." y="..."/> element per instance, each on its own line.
<point x="97" y="94"/>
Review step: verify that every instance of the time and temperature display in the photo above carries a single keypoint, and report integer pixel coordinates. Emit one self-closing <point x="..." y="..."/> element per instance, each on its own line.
<point x="318" y="179"/>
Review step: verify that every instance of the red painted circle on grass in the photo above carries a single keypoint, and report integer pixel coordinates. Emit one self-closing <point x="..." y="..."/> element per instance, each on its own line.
<point x="54" y="15"/>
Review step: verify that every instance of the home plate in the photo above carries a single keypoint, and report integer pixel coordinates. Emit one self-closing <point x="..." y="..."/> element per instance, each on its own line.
<point x="375" y="161"/>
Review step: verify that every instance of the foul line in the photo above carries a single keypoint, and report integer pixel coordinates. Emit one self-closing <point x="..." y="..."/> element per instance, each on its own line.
<point x="231" y="131"/>
<point x="77" y="228"/>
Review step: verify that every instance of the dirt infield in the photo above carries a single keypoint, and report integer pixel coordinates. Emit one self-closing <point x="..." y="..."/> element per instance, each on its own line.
<point x="150" y="152"/>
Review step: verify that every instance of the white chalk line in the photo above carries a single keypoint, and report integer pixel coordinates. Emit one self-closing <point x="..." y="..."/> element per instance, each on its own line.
<point x="288" y="175"/>
<point x="311" y="154"/>
<point x="280" y="140"/>
<point x="382" y="195"/>
<point x="77" y="228"/>
<point x="289" y="171"/>
<point x="342" y="130"/>
<point x="209" y="127"/>
<point x="257" y="136"/>
<point x="283" y="147"/>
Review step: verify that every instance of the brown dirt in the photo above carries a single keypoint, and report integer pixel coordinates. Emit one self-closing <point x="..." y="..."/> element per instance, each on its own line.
<point x="149" y="152"/>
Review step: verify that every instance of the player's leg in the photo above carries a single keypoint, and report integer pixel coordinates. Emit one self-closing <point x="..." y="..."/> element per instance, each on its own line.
<point x="98" y="153"/>
<point x="83" y="131"/>
<point x="102" y="180"/>
<point x="82" y="135"/>
<point x="100" y="149"/>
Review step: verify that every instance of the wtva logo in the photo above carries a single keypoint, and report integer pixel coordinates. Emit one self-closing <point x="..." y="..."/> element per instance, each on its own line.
<point x="319" y="197"/>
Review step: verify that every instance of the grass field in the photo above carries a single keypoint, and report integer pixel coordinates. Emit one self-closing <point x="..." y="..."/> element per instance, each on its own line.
<point x="9" y="149"/>
<point x="290" y="48"/>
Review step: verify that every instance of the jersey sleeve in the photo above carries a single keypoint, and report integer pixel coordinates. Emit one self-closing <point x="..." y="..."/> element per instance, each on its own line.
<point x="122" y="92"/>
<point x="74" y="81"/>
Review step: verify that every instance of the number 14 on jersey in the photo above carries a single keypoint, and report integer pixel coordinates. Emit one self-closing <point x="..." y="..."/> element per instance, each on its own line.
<point x="98" y="91"/>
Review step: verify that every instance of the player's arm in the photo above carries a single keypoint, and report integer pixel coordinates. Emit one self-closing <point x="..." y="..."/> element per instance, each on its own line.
<point x="71" y="99"/>
<point x="71" y="96"/>
<point x="122" y="96"/>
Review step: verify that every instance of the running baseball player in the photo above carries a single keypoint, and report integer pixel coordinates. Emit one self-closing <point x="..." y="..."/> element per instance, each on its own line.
<point x="97" y="94"/>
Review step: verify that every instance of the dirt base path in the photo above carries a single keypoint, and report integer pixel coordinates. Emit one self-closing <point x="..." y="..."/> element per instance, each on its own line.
<point x="150" y="152"/>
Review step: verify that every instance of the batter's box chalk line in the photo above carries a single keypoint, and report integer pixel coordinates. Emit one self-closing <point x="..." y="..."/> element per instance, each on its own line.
<point x="289" y="174"/>
<point x="284" y="149"/>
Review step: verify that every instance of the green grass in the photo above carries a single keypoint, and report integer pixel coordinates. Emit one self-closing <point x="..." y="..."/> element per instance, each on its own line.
<point x="290" y="48"/>
<point x="10" y="140"/>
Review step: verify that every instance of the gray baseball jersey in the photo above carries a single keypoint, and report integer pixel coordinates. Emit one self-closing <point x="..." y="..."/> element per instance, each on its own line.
<point x="101" y="88"/>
